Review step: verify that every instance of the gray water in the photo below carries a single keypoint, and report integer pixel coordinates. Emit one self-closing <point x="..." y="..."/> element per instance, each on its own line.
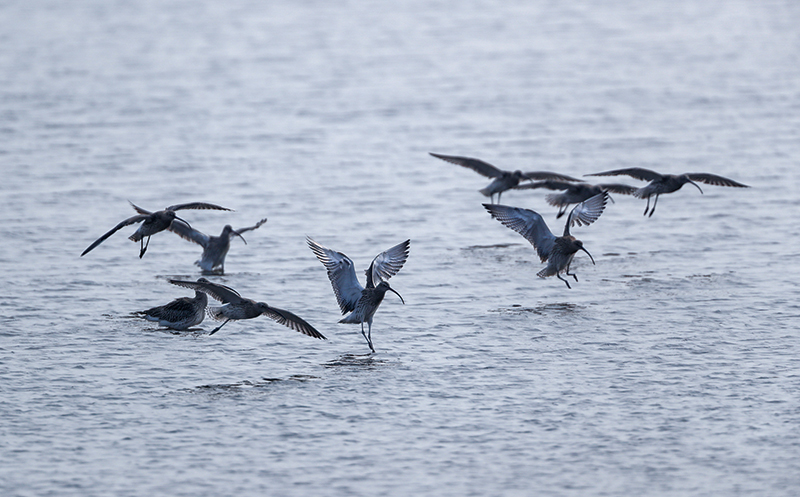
<point x="670" y="368"/>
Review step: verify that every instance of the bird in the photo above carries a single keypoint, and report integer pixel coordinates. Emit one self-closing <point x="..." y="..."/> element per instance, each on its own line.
<point x="575" y="192"/>
<point x="558" y="251"/>
<point x="503" y="180"/>
<point x="667" y="183"/>
<point x="180" y="314"/>
<point x="152" y="223"/>
<point x="235" y="307"/>
<point x="215" y="248"/>
<point x="361" y="302"/>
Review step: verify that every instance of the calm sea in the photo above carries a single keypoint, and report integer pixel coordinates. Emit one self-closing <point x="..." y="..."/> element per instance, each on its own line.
<point x="671" y="368"/>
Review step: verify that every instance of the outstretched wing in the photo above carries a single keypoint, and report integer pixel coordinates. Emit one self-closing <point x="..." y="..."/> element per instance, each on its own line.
<point x="219" y="292"/>
<point x="634" y="172"/>
<point x="476" y="165"/>
<point x="197" y="206"/>
<point x="186" y="232"/>
<point x="292" y="321"/>
<point x="713" y="179"/>
<point x="550" y="185"/>
<point x="618" y="188"/>
<point x="249" y="228"/>
<point x="387" y="264"/>
<point x="547" y="175"/>
<point x="527" y="223"/>
<point x="587" y="211"/>
<point x="127" y="222"/>
<point x="138" y="209"/>
<point x="342" y="274"/>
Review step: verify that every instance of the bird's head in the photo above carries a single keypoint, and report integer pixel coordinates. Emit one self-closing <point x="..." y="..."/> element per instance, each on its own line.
<point x="579" y="245"/>
<point x="686" y="179"/>
<point x="384" y="287"/>
<point x="228" y="231"/>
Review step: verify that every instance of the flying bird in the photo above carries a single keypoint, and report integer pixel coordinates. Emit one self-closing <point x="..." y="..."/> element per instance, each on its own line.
<point x="667" y="183"/>
<point x="361" y="302"/>
<point x="575" y="193"/>
<point x="215" y="248"/>
<point x="557" y="251"/>
<point x="152" y="223"/>
<point x="235" y="307"/>
<point x="503" y="180"/>
<point x="180" y="314"/>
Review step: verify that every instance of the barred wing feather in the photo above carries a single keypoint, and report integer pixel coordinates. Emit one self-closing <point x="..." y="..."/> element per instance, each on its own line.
<point x="527" y="223"/>
<point x="342" y="274"/>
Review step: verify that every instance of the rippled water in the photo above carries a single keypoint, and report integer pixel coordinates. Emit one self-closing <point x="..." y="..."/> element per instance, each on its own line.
<point x="670" y="368"/>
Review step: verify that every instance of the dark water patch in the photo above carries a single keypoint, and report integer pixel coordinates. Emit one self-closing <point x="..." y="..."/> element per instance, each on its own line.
<point x="190" y="333"/>
<point x="246" y="385"/>
<point x="555" y="308"/>
<point x="357" y="361"/>
<point x="486" y="247"/>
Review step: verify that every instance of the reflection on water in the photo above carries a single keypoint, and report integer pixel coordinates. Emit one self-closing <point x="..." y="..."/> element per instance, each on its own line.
<point x="552" y="309"/>
<point x="356" y="361"/>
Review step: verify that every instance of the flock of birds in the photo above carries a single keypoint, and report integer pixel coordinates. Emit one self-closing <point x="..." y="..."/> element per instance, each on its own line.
<point x="361" y="302"/>
<point x="184" y="312"/>
<point x="591" y="200"/>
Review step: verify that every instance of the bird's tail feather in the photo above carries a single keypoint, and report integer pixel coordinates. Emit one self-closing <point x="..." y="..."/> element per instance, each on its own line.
<point x="352" y="318"/>
<point x="215" y="313"/>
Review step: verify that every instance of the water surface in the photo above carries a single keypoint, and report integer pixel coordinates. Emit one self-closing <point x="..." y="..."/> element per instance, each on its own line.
<point x="670" y="368"/>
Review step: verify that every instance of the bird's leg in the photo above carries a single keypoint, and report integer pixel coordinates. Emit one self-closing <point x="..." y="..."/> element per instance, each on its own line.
<point x="562" y="279"/>
<point x="571" y="274"/>
<point x="561" y="211"/>
<point x="369" y="342"/>
<point x="654" y="207"/>
<point x="499" y="194"/>
<point x="218" y="327"/>
<point x="144" y="247"/>
<point x="647" y="207"/>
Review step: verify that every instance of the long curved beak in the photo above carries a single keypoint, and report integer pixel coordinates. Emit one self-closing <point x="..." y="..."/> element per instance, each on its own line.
<point x="695" y="184"/>
<point x="401" y="297"/>
<point x="587" y="253"/>
<point x="184" y="221"/>
<point x="240" y="236"/>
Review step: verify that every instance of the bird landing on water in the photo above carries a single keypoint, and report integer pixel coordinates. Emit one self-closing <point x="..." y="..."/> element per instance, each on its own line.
<point x="557" y="251"/>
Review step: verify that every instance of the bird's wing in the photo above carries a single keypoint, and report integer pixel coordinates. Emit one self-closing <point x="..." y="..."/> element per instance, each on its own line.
<point x="387" y="264"/>
<point x="292" y="321"/>
<point x="634" y="172"/>
<point x="138" y="209"/>
<point x="587" y="211"/>
<point x="550" y="185"/>
<point x="342" y="274"/>
<point x="476" y="165"/>
<point x="186" y="232"/>
<point x="713" y="179"/>
<point x="527" y="223"/>
<point x="546" y="175"/>
<point x="182" y="304"/>
<point x="197" y="205"/>
<point x="218" y="292"/>
<point x="618" y="188"/>
<point x="129" y="221"/>
<point x="255" y="226"/>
